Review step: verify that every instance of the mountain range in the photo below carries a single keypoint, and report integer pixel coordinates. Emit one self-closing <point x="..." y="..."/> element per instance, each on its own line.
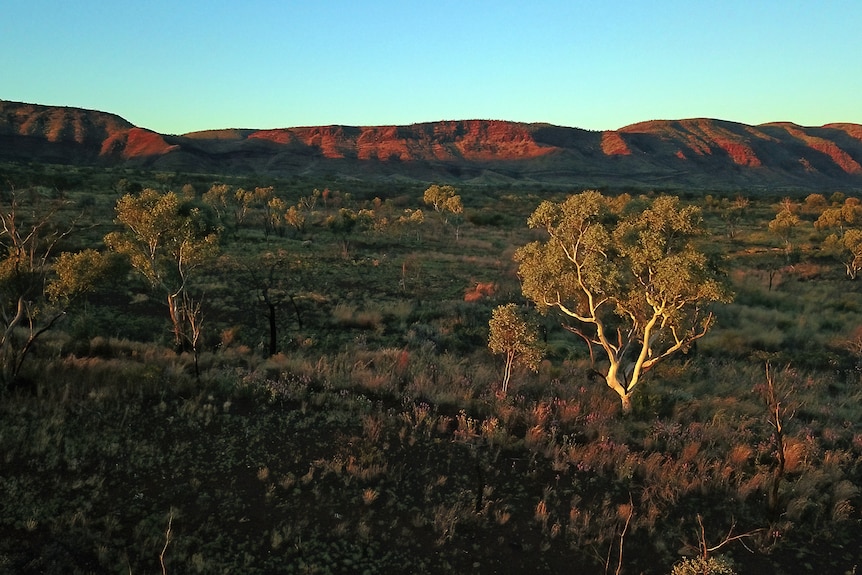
<point x="695" y="153"/>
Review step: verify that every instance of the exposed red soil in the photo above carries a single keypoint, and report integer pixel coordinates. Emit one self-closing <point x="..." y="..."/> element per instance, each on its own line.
<point x="486" y="140"/>
<point x="701" y="136"/>
<point x="480" y="291"/>
<point x="59" y="124"/>
<point x="331" y="140"/>
<point x="852" y="130"/>
<point x="226" y="134"/>
<point x="142" y="142"/>
<point x="614" y="145"/>
<point x="277" y="136"/>
<point x="136" y="143"/>
<point x="824" y="146"/>
<point x="807" y="165"/>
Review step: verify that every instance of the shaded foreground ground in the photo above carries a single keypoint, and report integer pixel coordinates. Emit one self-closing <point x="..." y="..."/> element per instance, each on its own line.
<point x="281" y="472"/>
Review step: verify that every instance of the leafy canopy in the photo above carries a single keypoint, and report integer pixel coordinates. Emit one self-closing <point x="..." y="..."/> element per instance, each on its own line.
<point x="165" y="238"/>
<point x="510" y="335"/>
<point x="631" y="281"/>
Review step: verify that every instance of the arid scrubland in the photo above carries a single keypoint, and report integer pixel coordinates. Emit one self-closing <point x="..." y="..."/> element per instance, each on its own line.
<point x="322" y="399"/>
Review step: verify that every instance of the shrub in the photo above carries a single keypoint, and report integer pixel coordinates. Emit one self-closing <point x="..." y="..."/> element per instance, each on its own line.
<point x="348" y="316"/>
<point x="718" y="565"/>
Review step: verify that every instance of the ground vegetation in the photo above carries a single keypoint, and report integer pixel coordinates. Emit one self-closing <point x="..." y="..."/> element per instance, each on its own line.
<point x="366" y="432"/>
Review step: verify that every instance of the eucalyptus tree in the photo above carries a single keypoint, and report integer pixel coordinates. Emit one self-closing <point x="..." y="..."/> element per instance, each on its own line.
<point x="785" y="223"/>
<point x="276" y="216"/>
<point x="221" y="199"/>
<point x="167" y="240"/>
<point x="843" y="223"/>
<point x="299" y="215"/>
<point x="446" y="202"/>
<point x="274" y="277"/>
<point x="631" y="283"/>
<point x="345" y="223"/>
<point x="443" y="199"/>
<point x="38" y="282"/>
<point x="841" y="216"/>
<point x="733" y="212"/>
<point x="510" y="335"/>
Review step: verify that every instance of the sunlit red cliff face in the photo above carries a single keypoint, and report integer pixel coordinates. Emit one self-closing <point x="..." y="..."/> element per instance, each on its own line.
<point x="473" y="140"/>
<point x="691" y="153"/>
<point x="50" y="133"/>
<point x="702" y="137"/>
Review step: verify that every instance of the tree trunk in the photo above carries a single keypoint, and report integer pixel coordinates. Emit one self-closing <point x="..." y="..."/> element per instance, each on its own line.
<point x="507" y="373"/>
<point x="775" y="418"/>
<point x="273" y="331"/>
<point x="624" y="392"/>
<point x="296" y="311"/>
<point x="176" y="320"/>
<point x="626" y="403"/>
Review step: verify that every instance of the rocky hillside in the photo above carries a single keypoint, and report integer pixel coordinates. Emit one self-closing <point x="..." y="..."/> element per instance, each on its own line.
<point x="695" y="153"/>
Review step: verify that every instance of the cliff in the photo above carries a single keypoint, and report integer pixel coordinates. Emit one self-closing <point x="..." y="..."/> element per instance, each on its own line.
<point x="691" y="153"/>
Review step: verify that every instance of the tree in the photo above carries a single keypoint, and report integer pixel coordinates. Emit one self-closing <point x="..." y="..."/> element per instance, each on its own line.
<point x="410" y="219"/>
<point x="260" y="203"/>
<point x="221" y="200"/>
<point x="712" y="565"/>
<point x="780" y="408"/>
<point x="814" y="204"/>
<point x="634" y="286"/>
<point x="167" y="241"/>
<point x="510" y="335"/>
<point x="276" y="214"/>
<point x="345" y="222"/>
<point x="732" y="213"/>
<point x="784" y="223"/>
<point x="439" y="197"/>
<point x="243" y="200"/>
<point x="845" y="242"/>
<point x="445" y="201"/>
<point x="297" y="216"/>
<point x="271" y="275"/>
<point x="841" y="216"/>
<point x="37" y="287"/>
<point x="847" y="248"/>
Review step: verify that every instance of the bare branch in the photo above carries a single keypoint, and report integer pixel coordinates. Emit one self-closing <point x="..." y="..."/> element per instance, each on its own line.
<point x="167" y="542"/>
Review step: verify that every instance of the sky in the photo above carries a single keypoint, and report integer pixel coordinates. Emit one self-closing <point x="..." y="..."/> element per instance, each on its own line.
<point x="184" y="65"/>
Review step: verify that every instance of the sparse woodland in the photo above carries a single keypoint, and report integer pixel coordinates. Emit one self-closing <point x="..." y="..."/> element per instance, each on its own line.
<point x="220" y="375"/>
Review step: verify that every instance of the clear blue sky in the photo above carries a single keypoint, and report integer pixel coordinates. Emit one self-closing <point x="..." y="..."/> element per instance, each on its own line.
<point x="182" y="65"/>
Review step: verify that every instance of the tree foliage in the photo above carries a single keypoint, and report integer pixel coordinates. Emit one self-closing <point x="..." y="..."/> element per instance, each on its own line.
<point x="715" y="565"/>
<point x="166" y="241"/>
<point x="845" y="240"/>
<point x="516" y="339"/>
<point x="785" y="223"/>
<point x="630" y="283"/>
<point x="446" y="202"/>
<point x="841" y="216"/>
<point x="37" y="281"/>
<point x="346" y="222"/>
<point x="443" y="199"/>
<point x="732" y="213"/>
